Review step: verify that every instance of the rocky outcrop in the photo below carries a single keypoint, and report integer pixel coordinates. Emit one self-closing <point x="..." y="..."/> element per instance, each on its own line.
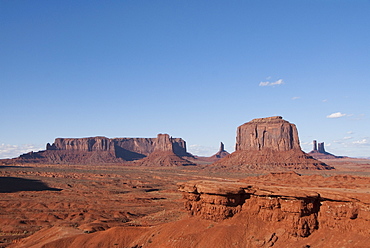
<point x="104" y="150"/>
<point x="318" y="152"/>
<point x="214" y="201"/>
<point x="300" y="211"/>
<point x="221" y="200"/>
<point x="268" y="144"/>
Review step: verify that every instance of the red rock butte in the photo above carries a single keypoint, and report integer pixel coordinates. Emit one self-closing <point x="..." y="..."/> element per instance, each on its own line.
<point x="268" y="144"/>
<point x="163" y="154"/>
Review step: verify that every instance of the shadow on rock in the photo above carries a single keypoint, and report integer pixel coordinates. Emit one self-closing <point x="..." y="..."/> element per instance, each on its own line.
<point x="11" y="166"/>
<point x="15" y="184"/>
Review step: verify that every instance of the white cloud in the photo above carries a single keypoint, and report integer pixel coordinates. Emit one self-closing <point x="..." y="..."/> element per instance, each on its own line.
<point x="350" y="132"/>
<point x="267" y="83"/>
<point x="206" y="151"/>
<point x="12" y="151"/>
<point x="361" y="142"/>
<point x="325" y="100"/>
<point x="296" y="97"/>
<point x="339" y="141"/>
<point x="200" y="150"/>
<point x="307" y="143"/>
<point x="336" y="115"/>
<point x="348" y="137"/>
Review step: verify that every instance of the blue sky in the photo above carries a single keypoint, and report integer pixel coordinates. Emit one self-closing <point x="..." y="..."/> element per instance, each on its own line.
<point x="193" y="69"/>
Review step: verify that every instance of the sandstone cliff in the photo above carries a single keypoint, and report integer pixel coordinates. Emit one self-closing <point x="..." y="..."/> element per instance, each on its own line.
<point x="268" y="144"/>
<point x="272" y="132"/>
<point x="292" y="212"/>
<point x="296" y="210"/>
<point x="95" y="150"/>
<point x="163" y="154"/>
<point x="82" y="144"/>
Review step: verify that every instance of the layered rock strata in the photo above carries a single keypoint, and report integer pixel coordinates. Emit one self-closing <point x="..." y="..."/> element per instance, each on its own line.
<point x="268" y="144"/>
<point x="143" y="146"/>
<point x="267" y="133"/>
<point x="164" y="154"/>
<point x="300" y="212"/>
<point x="104" y="150"/>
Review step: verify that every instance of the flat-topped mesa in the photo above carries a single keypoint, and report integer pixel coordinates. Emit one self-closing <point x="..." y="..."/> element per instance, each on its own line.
<point x="271" y="132"/>
<point x="143" y="146"/>
<point x="268" y="144"/>
<point x="99" y="149"/>
<point x="82" y="144"/>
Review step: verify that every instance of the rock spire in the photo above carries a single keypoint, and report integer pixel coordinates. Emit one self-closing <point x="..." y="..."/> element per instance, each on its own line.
<point x="318" y="152"/>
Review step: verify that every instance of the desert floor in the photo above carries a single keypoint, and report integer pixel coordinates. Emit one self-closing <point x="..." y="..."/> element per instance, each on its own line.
<point x="91" y="198"/>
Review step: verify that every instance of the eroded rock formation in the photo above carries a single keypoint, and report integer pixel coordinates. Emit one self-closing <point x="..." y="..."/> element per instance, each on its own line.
<point x="268" y="144"/>
<point x="143" y="146"/>
<point x="300" y="211"/>
<point x="267" y="133"/>
<point x="318" y="152"/>
<point x="104" y="150"/>
<point x="221" y="153"/>
<point x="282" y="209"/>
<point x="214" y="201"/>
<point x="163" y="154"/>
<point x="82" y="144"/>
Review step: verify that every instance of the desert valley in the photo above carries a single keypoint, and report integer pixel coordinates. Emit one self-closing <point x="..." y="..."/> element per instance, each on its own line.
<point x="151" y="192"/>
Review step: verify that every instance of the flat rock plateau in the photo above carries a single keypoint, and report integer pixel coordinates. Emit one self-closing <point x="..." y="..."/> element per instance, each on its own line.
<point x="150" y="192"/>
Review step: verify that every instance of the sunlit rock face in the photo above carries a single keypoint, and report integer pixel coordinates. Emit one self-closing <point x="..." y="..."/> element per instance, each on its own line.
<point x="272" y="132"/>
<point x="268" y="144"/>
<point x="94" y="150"/>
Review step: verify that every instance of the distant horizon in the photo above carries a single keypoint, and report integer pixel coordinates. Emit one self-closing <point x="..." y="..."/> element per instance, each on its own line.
<point x="190" y="69"/>
<point x="196" y="150"/>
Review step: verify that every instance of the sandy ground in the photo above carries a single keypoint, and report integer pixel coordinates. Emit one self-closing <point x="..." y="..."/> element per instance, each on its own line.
<point x="87" y="199"/>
